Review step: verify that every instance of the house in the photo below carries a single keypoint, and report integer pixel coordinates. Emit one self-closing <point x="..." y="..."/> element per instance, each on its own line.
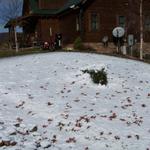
<point x="89" y="19"/>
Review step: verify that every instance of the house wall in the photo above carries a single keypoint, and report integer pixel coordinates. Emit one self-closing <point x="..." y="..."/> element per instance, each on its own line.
<point x="26" y="8"/>
<point x="68" y="27"/>
<point x="45" y="25"/>
<point x="146" y="14"/>
<point x="108" y="18"/>
<point x="109" y="11"/>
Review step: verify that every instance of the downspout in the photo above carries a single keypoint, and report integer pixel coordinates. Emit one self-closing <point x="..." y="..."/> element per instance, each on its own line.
<point x="16" y="39"/>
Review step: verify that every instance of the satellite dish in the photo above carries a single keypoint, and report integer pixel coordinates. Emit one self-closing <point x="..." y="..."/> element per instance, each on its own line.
<point x="118" y="32"/>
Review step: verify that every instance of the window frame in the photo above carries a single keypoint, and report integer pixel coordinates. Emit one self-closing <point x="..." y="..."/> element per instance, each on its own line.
<point x="121" y="23"/>
<point x="97" y="22"/>
<point x="147" y="23"/>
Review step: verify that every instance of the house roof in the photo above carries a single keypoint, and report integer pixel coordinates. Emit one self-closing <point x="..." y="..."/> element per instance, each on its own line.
<point x="35" y="11"/>
<point x="68" y="5"/>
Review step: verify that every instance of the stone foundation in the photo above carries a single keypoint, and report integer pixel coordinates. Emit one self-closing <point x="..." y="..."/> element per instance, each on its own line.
<point x="99" y="47"/>
<point x="146" y="47"/>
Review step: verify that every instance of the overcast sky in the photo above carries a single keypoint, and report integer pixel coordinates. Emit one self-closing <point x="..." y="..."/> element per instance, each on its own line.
<point x="2" y="28"/>
<point x="3" y="3"/>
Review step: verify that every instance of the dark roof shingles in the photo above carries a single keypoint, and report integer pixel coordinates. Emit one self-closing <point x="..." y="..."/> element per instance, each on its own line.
<point x="36" y="10"/>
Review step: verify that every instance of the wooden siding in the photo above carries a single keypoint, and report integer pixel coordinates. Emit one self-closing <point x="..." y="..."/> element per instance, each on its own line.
<point x="108" y="12"/>
<point x="146" y="7"/>
<point x="46" y="24"/>
<point x="68" y="28"/>
<point x="26" y="8"/>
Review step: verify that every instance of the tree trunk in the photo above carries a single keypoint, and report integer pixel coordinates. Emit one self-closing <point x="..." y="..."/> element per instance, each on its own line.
<point x="141" y="29"/>
<point x="16" y="40"/>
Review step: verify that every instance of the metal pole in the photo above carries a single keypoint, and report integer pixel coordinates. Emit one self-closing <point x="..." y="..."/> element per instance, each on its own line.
<point x="141" y="29"/>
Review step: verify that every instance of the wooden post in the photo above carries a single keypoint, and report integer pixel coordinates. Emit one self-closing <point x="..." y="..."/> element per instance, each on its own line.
<point x="16" y="40"/>
<point x="9" y="38"/>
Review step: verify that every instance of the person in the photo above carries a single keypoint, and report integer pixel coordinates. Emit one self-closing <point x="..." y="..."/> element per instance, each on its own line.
<point x="58" y="40"/>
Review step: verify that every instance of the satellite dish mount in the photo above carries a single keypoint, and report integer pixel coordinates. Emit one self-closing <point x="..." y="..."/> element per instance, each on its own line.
<point x="118" y="33"/>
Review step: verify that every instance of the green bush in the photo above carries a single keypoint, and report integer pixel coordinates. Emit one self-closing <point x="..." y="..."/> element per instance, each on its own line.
<point x="78" y="44"/>
<point x="97" y="76"/>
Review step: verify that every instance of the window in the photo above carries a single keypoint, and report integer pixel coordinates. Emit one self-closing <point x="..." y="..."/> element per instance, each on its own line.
<point x="147" y="23"/>
<point x="122" y="21"/>
<point x="94" y="22"/>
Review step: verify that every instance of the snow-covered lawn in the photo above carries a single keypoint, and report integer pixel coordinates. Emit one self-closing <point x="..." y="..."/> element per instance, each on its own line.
<point x="46" y="102"/>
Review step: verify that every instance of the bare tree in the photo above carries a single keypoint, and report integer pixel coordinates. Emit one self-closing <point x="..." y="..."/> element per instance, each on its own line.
<point x="136" y="11"/>
<point x="9" y="11"/>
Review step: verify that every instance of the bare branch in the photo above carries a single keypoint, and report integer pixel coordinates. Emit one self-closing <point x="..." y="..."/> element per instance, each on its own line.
<point x="10" y="9"/>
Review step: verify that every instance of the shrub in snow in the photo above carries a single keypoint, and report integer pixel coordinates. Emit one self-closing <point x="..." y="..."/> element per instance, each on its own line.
<point x="78" y="44"/>
<point x="7" y="143"/>
<point x="34" y="129"/>
<point x="97" y="76"/>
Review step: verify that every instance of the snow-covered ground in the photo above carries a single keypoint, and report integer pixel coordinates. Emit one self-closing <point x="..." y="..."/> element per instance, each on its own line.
<point x="46" y="102"/>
